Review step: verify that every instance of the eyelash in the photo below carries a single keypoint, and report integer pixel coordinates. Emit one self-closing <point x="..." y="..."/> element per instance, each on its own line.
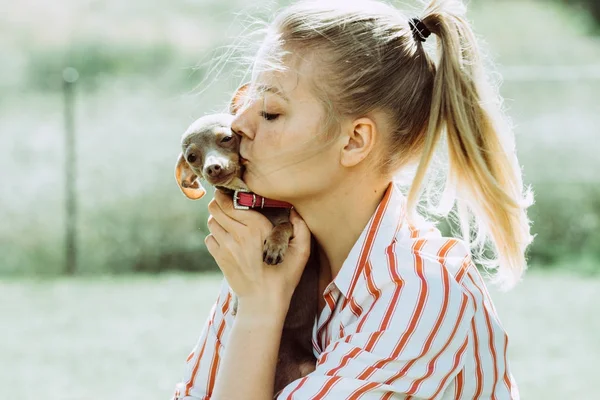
<point x="269" y="116"/>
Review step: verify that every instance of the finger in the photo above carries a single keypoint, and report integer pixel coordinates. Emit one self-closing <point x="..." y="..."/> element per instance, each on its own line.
<point x="217" y="231"/>
<point x="226" y="221"/>
<point x="212" y="245"/>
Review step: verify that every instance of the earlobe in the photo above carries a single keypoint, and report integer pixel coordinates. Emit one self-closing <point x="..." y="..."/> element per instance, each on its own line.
<point x="187" y="180"/>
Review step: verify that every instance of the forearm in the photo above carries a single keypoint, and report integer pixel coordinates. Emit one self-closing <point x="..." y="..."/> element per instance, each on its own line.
<point x="248" y="365"/>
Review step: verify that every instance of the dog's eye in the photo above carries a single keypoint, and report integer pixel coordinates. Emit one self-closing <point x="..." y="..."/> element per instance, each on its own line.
<point x="226" y="139"/>
<point x="269" y="116"/>
<point x="191" y="158"/>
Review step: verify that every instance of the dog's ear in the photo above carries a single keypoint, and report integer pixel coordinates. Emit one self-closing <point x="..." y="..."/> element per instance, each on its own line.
<point x="188" y="181"/>
<point x="237" y="101"/>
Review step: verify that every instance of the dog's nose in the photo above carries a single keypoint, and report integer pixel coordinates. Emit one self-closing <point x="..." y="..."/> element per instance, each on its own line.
<point x="213" y="170"/>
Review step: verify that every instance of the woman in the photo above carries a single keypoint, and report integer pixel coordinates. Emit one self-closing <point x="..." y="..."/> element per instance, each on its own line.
<point x="343" y="97"/>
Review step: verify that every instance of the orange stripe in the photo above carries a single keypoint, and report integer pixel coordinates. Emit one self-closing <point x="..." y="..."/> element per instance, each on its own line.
<point x="215" y="361"/>
<point x="466" y="263"/>
<point x="362" y="390"/>
<point x="431" y="365"/>
<point x="460" y="382"/>
<point x="373" y="339"/>
<point x="225" y="305"/>
<point x="376" y="293"/>
<point x="190" y="357"/>
<point x="344" y="361"/>
<point x="416" y="247"/>
<point x="216" y="357"/>
<point x="387" y="396"/>
<point x="491" y="340"/>
<point x="327" y="331"/>
<point x="323" y="342"/>
<point x="414" y="232"/>
<point x="442" y="253"/>
<point x="479" y="371"/>
<point x="506" y="379"/>
<point x="457" y="358"/>
<point x="373" y="291"/>
<point x="355" y="307"/>
<point x="190" y="384"/>
<point x="302" y="382"/>
<point x="365" y="252"/>
<point x="481" y="285"/>
<point x="424" y="291"/>
<point x="325" y="356"/>
<point x="393" y="267"/>
<point x="390" y="310"/>
<point x="370" y="239"/>
<point x="326" y="388"/>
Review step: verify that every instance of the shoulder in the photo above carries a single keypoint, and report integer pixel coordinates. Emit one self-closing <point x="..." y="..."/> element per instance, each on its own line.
<point x="421" y="254"/>
<point x="415" y="284"/>
<point x="420" y="276"/>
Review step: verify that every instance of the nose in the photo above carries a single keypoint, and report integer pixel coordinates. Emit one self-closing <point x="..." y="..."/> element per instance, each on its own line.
<point x="213" y="170"/>
<point x="241" y="124"/>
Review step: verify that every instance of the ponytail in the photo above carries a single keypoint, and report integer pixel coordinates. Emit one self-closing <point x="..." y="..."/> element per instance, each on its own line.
<point x="484" y="174"/>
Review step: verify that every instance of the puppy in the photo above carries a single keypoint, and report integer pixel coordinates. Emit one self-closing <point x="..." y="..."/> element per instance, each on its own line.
<point x="210" y="150"/>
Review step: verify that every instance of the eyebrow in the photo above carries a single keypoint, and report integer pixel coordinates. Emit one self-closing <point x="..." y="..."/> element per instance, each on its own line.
<point x="271" y="89"/>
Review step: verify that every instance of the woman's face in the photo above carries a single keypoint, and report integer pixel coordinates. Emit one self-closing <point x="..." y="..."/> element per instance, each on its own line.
<point x="280" y="126"/>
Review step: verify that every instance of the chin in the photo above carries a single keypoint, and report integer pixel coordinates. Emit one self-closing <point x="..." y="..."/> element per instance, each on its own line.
<point x="263" y="187"/>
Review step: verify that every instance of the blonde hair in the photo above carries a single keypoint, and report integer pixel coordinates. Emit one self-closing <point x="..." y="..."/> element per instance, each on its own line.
<point x="371" y="60"/>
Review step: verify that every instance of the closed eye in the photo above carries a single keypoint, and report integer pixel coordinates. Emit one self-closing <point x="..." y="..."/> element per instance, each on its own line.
<point x="269" y="116"/>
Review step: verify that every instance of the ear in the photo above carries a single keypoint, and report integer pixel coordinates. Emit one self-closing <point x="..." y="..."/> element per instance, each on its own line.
<point x="358" y="141"/>
<point x="238" y="98"/>
<point x="187" y="180"/>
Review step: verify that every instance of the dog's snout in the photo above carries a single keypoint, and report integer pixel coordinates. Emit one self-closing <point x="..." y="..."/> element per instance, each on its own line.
<point x="213" y="170"/>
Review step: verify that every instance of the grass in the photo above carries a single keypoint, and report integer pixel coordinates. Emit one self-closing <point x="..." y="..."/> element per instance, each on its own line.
<point x="128" y="337"/>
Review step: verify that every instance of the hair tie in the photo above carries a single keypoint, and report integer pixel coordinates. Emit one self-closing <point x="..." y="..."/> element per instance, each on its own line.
<point x="419" y="30"/>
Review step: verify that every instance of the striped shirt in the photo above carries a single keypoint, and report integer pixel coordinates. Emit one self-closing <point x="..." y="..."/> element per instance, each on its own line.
<point x="408" y="316"/>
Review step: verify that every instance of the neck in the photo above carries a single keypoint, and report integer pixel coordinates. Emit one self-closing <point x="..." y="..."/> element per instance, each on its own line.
<point x="337" y="219"/>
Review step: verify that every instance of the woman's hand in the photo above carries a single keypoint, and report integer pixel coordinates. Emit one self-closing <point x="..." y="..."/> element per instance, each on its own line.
<point x="236" y="242"/>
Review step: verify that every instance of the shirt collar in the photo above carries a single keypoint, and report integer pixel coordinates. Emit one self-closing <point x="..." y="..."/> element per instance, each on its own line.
<point x="378" y="234"/>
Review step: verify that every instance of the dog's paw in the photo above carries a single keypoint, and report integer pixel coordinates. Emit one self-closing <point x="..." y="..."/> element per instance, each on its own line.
<point x="274" y="249"/>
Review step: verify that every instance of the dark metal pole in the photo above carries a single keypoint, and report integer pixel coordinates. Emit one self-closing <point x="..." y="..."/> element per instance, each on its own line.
<point x="70" y="76"/>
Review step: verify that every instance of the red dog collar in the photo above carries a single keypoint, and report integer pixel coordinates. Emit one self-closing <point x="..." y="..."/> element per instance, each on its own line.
<point x="245" y="201"/>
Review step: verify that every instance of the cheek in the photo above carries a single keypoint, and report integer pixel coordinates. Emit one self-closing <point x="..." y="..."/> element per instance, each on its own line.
<point x="310" y="175"/>
<point x="289" y="160"/>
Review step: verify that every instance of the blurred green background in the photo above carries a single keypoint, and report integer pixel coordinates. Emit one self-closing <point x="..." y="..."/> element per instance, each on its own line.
<point x="148" y="69"/>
